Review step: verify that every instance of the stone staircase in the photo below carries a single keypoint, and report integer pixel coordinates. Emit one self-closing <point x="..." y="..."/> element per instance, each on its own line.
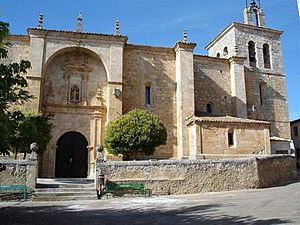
<point x="64" y="189"/>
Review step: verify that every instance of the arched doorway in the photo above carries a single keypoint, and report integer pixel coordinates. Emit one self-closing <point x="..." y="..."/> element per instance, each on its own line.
<point x="71" y="155"/>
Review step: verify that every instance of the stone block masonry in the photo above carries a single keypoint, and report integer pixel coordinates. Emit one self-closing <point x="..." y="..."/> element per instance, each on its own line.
<point x="18" y="172"/>
<point x="195" y="176"/>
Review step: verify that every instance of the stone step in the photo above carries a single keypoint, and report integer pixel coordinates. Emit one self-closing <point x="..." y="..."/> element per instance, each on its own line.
<point x="57" y="185"/>
<point x="65" y="198"/>
<point x="52" y="190"/>
<point x="64" y="189"/>
<point x="65" y="183"/>
<point x="56" y="194"/>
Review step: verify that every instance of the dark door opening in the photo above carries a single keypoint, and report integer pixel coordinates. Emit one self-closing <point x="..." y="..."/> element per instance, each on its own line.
<point x="71" y="156"/>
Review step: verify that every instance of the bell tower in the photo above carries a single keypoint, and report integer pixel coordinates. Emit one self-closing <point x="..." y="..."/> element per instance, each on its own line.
<point x="254" y="15"/>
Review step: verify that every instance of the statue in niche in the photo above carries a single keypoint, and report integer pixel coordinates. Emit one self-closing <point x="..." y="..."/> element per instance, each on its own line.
<point x="74" y="95"/>
<point x="99" y="96"/>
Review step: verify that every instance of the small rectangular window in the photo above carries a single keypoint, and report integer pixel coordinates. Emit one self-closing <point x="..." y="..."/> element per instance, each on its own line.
<point x="148" y="96"/>
<point x="261" y="94"/>
<point x="296" y="131"/>
<point x="230" y="138"/>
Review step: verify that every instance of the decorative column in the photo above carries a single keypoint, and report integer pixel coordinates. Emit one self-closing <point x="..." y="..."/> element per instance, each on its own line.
<point x="185" y="102"/>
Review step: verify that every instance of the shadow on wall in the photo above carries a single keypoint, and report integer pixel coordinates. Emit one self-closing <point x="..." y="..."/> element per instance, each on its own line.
<point x="265" y="102"/>
<point x="208" y="91"/>
<point x="203" y="214"/>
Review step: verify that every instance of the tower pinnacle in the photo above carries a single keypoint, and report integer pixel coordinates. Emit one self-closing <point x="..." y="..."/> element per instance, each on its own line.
<point x="79" y="23"/>
<point x="41" y="21"/>
<point x="254" y="15"/>
<point x="117" y="28"/>
<point x="185" y="36"/>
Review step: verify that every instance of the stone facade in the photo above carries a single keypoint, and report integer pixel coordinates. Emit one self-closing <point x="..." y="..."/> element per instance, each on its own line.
<point x="87" y="80"/>
<point x="195" y="176"/>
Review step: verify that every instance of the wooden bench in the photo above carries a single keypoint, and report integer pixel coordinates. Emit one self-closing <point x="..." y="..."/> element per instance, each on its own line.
<point x="15" y="188"/>
<point x="120" y="189"/>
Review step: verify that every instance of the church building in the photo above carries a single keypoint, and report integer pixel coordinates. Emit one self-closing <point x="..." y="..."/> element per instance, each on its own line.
<point x="229" y="103"/>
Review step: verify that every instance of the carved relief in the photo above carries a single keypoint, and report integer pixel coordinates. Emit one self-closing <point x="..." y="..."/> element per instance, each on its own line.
<point x="76" y="71"/>
<point x="74" y="95"/>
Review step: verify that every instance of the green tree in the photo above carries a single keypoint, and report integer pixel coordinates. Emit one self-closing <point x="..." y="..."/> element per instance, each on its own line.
<point x="30" y="127"/>
<point x="137" y="131"/>
<point x="12" y="83"/>
<point x="12" y="91"/>
<point x="5" y="133"/>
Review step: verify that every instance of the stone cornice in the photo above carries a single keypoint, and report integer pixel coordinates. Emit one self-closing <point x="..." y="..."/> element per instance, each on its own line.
<point x="189" y="46"/>
<point x="35" y="32"/>
<point x="223" y="119"/>
<point x="22" y="38"/>
<point x="210" y="58"/>
<point x="238" y="60"/>
<point x="150" y="48"/>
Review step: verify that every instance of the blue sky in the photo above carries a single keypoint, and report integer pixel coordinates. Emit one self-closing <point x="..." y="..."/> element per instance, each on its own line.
<point x="160" y="23"/>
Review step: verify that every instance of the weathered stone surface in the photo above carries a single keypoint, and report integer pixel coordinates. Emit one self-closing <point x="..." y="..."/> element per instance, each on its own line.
<point x="194" y="176"/>
<point x="18" y="172"/>
<point x="213" y="135"/>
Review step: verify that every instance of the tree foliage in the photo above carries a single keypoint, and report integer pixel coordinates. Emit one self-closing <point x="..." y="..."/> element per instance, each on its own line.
<point x="138" y="131"/>
<point x="17" y="130"/>
<point x="12" y="83"/>
<point x="30" y="127"/>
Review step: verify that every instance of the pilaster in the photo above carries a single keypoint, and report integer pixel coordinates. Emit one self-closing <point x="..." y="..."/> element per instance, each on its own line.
<point x="36" y="57"/>
<point x="238" y="86"/>
<point x="184" y="94"/>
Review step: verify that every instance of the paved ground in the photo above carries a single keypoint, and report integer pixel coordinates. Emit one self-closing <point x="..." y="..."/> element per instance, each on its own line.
<point x="278" y="205"/>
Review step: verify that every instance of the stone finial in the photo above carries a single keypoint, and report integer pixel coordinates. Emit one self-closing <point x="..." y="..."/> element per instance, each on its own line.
<point x="99" y="151"/>
<point x="41" y="21"/>
<point x="117" y="28"/>
<point x="33" y="148"/>
<point x="79" y="23"/>
<point x="99" y="148"/>
<point x="253" y="2"/>
<point x="184" y="36"/>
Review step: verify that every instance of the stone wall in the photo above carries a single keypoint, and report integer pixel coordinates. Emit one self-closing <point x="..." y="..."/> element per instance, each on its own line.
<point x="188" y="177"/>
<point x="153" y="67"/>
<point x="273" y="107"/>
<point x="18" y="172"/>
<point x="212" y="85"/>
<point x="214" y="137"/>
<point x="275" y="170"/>
<point x="218" y="45"/>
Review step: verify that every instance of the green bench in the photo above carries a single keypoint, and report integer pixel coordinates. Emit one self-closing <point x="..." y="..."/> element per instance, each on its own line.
<point x="15" y="188"/>
<point x="121" y="189"/>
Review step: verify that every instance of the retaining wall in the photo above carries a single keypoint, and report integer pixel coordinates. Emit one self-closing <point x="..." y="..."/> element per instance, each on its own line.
<point x="188" y="177"/>
<point x="18" y="172"/>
